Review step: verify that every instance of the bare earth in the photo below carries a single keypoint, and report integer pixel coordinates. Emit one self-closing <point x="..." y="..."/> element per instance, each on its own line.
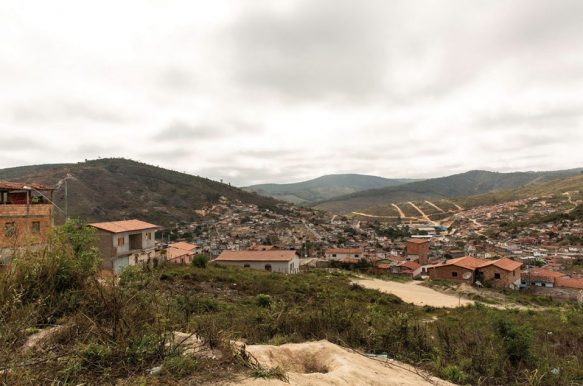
<point x="413" y="292"/>
<point x="323" y="363"/>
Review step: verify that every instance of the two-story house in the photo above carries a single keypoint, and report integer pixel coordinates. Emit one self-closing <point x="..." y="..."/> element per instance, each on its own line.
<point x="26" y="215"/>
<point x="124" y="243"/>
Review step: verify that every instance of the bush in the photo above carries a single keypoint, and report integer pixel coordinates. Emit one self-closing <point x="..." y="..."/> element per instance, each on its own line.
<point x="263" y="300"/>
<point x="200" y="261"/>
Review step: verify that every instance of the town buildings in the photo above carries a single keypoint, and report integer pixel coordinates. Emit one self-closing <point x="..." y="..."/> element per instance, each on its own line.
<point x="124" y="243"/>
<point x="344" y="253"/>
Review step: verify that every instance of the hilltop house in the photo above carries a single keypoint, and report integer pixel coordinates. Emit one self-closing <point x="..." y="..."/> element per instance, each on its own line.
<point x="26" y="215"/>
<point x="273" y="261"/>
<point x="500" y="273"/>
<point x="124" y="243"/>
<point x="343" y="253"/>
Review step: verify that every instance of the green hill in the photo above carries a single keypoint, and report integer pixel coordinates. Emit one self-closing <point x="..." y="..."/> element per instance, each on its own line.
<point x="325" y="187"/>
<point x="115" y="189"/>
<point x="459" y="185"/>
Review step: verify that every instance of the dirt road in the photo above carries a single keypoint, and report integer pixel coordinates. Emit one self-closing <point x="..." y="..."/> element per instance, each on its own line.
<point x="415" y="293"/>
<point x="401" y="213"/>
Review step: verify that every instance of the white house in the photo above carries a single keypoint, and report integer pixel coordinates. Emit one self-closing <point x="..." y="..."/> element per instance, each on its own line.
<point x="124" y="243"/>
<point x="341" y="253"/>
<point x="273" y="261"/>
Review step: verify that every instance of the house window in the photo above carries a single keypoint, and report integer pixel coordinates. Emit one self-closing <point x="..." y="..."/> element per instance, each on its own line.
<point x="9" y="229"/>
<point x="268" y="267"/>
<point x="496" y="276"/>
<point x="454" y="274"/>
<point x="246" y="266"/>
<point x="333" y="255"/>
<point x="148" y="235"/>
<point x="36" y="227"/>
<point x="121" y="241"/>
<point x="356" y="255"/>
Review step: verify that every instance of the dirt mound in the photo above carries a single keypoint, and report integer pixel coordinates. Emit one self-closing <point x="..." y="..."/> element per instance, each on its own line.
<point x="323" y="363"/>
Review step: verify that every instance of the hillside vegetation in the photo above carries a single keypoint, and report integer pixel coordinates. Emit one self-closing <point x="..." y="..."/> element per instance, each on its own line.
<point x="114" y="333"/>
<point x="459" y="185"/>
<point x="115" y="189"/>
<point x="325" y="187"/>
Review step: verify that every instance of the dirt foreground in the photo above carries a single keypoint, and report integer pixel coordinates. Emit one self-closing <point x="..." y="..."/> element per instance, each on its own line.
<point x="413" y="292"/>
<point x="323" y="363"/>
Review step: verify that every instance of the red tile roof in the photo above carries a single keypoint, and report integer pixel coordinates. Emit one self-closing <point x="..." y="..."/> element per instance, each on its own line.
<point x="256" y="256"/>
<point x="507" y="264"/>
<point x="7" y="185"/>
<point x="183" y="246"/>
<point x="124" y="226"/>
<point x="545" y="273"/>
<point x="417" y="241"/>
<point x="411" y="265"/>
<point x="569" y="282"/>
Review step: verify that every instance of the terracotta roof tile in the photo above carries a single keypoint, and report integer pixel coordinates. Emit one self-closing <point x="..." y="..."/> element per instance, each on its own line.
<point x="22" y="186"/>
<point x="124" y="226"/>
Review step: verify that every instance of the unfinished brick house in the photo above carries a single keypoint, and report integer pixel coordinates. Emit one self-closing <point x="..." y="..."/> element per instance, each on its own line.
<point x="499" y="273"/>
<point x="26" y="215"/>
<point x="418" y="250"/>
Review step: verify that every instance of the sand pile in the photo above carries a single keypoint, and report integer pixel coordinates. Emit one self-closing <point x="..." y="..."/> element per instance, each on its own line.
<point x="324" y="363"/>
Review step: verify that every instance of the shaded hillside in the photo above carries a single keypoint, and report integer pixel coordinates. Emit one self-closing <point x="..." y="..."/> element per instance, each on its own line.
<point x="458" y="185"/>
<point x="114" y="189"/>
<point x="325" y="187"/>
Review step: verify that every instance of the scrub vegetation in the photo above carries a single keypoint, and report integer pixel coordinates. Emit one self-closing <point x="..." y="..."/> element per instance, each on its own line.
<point x="122" y="332"/>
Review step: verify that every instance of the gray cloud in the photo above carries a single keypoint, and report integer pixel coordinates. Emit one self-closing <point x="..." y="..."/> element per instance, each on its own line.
<point x="324" y="48"/>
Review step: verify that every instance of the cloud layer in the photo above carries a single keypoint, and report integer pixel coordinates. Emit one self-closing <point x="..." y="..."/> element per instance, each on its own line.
<point x="282" y="91"/>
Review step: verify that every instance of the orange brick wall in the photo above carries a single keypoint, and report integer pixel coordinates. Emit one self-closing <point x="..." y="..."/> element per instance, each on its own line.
<point x="23" y="219"/>
<point x="445" y="273"/>
<point x="506" y="278"/>
<point x="418" y="249"/>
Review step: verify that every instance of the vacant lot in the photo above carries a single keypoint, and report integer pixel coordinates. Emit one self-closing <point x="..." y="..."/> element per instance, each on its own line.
<point x="412" y="292"/>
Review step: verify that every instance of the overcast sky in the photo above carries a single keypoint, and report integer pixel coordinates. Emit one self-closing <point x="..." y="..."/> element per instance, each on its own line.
<point x="280" y="91"/>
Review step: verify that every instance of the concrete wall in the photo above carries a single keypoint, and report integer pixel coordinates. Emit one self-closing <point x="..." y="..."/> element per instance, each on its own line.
<point x="338" y="256"/>
<point x="116" y="257"/>
<point x="292" y="266"/>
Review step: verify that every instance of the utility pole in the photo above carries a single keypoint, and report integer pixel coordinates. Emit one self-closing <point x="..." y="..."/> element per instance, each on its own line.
<point x="66" y="200"/>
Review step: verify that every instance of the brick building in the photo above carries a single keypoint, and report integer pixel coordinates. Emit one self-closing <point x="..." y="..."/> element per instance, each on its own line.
<point x="418" y="249"/>
<point x="26" y="216"/>
<point x="499" y="273"/>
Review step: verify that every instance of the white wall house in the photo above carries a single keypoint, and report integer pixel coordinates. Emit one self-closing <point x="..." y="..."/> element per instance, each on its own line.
<point x="124" y="243"/>
<point x="272" y="261"/>
<point x="341" y="253"/>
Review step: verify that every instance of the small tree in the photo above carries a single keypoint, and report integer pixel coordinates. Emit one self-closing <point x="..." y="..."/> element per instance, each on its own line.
<point x="199" y="261"/>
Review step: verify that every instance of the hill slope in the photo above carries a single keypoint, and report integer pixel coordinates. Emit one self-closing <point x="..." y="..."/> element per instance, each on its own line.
<point x="325" y="187"/>
<point x="115" y="189"/>
<point x="465" y="184"/>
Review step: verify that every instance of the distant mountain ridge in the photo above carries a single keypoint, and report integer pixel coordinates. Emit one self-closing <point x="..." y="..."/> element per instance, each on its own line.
<point x="116" y="189"/>
<point x="324" y="187"/>
<point x="465" y="184"/>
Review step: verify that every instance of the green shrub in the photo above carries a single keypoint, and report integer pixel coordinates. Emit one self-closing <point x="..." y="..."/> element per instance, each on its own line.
<point x="263" y="300"/>
<point x="200" y="261"/>
<point x="180" y="365"/>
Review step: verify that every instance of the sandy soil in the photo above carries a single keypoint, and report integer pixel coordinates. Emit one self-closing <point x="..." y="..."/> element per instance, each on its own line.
<point x="415" y="293"/>
<point x="323" y="363"/>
